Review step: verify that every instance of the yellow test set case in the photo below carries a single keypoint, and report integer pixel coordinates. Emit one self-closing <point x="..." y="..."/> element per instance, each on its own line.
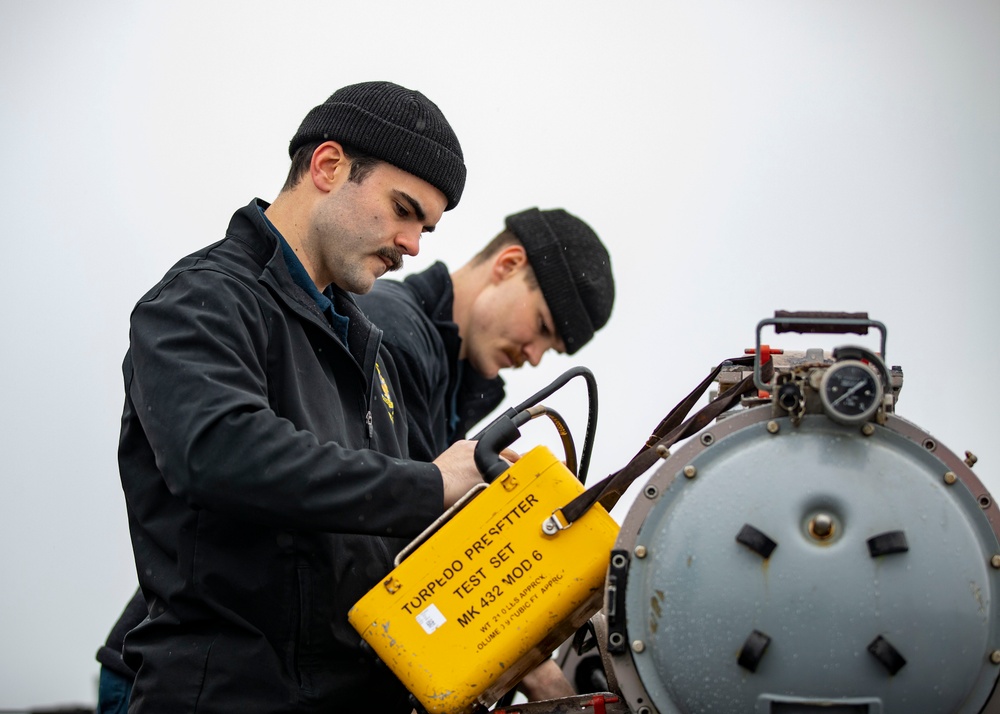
<point x="489" y="595"/>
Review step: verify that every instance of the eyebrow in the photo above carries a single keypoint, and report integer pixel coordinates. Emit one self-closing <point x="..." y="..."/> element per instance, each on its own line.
<point x="550" y="325"/>
<point x="560" y="342"/>
<point x="417" y="209"/>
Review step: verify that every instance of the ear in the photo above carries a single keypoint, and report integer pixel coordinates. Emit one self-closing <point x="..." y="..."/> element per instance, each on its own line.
<point x="329" y="166"/>
<point x="508" y="262"/>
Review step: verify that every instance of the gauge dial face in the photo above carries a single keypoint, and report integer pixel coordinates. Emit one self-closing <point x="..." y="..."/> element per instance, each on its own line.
<point x="850" y="392"/>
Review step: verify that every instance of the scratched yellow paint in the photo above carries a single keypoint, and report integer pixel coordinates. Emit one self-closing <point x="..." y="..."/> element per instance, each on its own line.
<point x="489" y="595"/>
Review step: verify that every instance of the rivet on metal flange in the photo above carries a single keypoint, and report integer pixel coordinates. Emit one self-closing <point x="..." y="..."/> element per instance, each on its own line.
<point x="639" y="646"/>
<point x="995" y="656"/>
<point x="950" y="477"/>
<point x="868" y="429"/>
<point x="773" y="427"/>
<point x="690" y="471"/>
<point x="640" y="552"/>
<point x="662" y="451"/>
<point x="995" y="561"/>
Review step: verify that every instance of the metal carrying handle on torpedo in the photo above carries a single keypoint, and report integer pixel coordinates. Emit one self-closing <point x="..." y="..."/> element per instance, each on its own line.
<point x="838" y="323"/>
<point x="677" y="425"/>
<point x="505" y="429"/>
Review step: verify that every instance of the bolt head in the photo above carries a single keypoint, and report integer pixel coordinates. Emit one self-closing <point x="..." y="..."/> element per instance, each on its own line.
<point x="950" y="477"/>
<point x="690" y="471"/>
<point x="639" y="646"/>
<point x="773" y="427"/>
<point x="640" y="552"/>
<point x="995" y="656"/>
<point x="821" y="526"/>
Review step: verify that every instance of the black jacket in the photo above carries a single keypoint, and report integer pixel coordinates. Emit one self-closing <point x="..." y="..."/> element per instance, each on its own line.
<point x="260" y="459"/>
<point x="444" y="397"/>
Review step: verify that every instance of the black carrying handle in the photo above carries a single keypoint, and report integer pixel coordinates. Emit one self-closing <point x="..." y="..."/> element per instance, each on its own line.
<point x="803" y="322"/>
<point x="835" y="323"/>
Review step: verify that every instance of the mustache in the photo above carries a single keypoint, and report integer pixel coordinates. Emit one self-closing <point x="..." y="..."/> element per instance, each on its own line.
<point x="394" y="257"/>
<point x="516" y="358"/>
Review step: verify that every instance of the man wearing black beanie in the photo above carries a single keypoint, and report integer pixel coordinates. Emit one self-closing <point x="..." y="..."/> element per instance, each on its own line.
<point x="261" y="454"/>
<point x="543" y="283"/>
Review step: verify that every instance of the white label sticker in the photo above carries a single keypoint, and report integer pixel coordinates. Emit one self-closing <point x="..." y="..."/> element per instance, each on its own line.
<point x="430" y="619"/>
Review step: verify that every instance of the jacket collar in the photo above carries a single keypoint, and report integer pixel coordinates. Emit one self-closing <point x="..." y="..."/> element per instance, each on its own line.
<point x="435" y="295"/>
<point x="250" y="228"/>
<point x="475" y="396"/>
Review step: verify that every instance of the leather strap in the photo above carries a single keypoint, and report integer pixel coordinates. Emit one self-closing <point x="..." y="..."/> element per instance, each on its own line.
<point x="669" y="431"/>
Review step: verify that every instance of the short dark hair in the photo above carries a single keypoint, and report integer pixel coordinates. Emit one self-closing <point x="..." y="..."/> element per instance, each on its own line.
<point x="362" y="164"/>
<point x="503" y="239"/>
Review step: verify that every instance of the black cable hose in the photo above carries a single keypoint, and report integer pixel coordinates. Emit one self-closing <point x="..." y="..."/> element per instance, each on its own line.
<point x="518" y="415"/>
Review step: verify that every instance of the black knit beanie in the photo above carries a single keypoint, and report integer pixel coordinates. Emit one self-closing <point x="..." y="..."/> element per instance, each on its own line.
<point x="397" y="125"/>
<point x="573" y="270"/>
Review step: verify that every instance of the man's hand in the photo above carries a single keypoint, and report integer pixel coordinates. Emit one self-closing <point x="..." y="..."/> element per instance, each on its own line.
<point x="458" y="470"/>
<point x="546" y="681"/>
<point x="509" y="455"/>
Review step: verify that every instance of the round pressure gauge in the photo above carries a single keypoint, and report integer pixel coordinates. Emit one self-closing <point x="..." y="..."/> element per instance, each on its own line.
<point x="850" y="392"/>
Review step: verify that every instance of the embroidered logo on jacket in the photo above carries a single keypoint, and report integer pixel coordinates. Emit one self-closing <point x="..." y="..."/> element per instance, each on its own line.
<point x="390" y="407"/>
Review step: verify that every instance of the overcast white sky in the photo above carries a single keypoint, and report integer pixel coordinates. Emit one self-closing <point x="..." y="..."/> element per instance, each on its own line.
<point x="737" y="158"/>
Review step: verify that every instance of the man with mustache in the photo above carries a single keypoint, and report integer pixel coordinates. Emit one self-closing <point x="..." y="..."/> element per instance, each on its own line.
<point x="263" y="461"/>
<point x="450" y="334"/>
<point x="543" y="283"/>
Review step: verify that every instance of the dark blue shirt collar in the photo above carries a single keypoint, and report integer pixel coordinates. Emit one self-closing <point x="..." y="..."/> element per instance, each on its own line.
<point x="324" y="300"/>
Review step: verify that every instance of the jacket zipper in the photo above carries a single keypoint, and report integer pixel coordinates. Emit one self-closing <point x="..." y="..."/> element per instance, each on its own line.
<point x="371" y="429"/>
